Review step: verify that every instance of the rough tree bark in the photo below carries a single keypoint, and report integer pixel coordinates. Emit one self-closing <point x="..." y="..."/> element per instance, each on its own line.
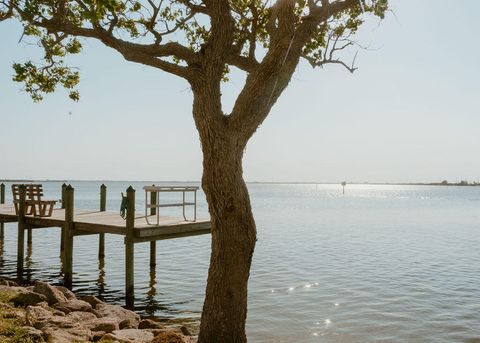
<point x="233" y="243"/>
<point x="233" y="225"/>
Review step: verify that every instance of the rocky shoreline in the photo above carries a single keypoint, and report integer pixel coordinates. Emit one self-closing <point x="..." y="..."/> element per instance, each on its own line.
<point x="46" y="313"/>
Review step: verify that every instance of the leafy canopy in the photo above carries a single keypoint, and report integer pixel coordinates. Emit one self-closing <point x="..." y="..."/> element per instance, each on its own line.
<point x="176" y="35"/>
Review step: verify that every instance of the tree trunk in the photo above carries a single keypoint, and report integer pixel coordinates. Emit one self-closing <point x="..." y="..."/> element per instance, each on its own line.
<point x="233" y="242"/>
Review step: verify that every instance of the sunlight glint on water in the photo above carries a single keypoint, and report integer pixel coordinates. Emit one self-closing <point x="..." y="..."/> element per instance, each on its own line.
<point x="381" y="263"/>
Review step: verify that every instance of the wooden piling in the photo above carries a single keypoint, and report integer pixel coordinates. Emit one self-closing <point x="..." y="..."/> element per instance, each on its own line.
<point x="2" y="193"/>
<point x="2" y="201"/>
<point x="21" y="230"/>
<point x="62" y="234"/>
<point x="103" y="208"/>
<point x="153" y="244"/>
<point x="129" y="248"/>
<point x="68" y="227"/>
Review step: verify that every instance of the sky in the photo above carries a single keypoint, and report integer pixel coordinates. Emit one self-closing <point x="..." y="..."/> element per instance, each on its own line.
<point x="410" y="113"/>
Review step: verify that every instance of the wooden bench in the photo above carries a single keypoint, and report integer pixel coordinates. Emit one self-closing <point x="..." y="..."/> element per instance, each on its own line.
<point x="35" y="205"/>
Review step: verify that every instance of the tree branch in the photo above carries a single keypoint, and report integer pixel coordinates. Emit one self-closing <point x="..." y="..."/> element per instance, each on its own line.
<point x="264" y="86"/>
<point x="142" y="53"/>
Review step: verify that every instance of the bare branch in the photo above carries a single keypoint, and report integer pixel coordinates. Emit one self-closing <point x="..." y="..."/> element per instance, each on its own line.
<point x="351" y="68"/>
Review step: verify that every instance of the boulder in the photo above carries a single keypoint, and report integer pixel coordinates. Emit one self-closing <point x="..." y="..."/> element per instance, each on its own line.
<point x="36" y="314"/>
<point x="185" y="330"/>
<point x="66" y="292"/>
<point x="81" y="317"/>
<point x="106" y="325"/>
<point x="27" y="298"/>
<point x="156" y="331"/>
<point x="126" y="319"/>
<point x="92" y="300"/>
<point x="57" y="322"/>
<point x="149" y="324"/>
<point x="69" y="335"/>
<point x="73" y="305"/>
<point x="52" y="294"/>
<point x="130" y="336"/>
<point x="10" y="283"/>
<point x="98" y="335"/>
<point x="171" y="337"/>
<point x="43" y="304"/>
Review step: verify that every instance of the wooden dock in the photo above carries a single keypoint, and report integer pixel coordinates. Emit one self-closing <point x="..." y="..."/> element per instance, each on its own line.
<point x="82" y="222"/>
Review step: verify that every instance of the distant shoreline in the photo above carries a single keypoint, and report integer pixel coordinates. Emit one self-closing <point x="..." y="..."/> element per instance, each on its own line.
<point x="461" y="184"/>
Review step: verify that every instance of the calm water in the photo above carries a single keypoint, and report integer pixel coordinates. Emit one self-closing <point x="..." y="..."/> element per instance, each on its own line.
<point x="378" y="264"/>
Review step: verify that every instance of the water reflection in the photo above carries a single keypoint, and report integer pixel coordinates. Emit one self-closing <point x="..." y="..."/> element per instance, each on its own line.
<point x="28" y="258"/>
<point x="101" y="276"/>
<point x="2" y="242"/>
<point x="151" y="302"/>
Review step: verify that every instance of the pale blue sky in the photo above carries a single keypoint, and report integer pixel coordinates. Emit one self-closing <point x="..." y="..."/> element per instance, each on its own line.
<point x="410" y="113"/>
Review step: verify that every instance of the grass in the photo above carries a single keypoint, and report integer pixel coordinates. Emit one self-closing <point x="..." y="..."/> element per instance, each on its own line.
<point x="11" y="329"/>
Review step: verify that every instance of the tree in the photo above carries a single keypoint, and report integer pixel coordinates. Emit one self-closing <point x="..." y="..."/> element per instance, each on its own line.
<point x="200" y="40"/>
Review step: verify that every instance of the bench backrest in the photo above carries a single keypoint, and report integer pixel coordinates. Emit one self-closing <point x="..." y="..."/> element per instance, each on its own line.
<point x="34" y="192"/>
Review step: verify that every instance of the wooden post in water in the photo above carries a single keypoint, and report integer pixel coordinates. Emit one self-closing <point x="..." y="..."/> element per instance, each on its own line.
<point x="21" y="230"/>
<point x="62" y="235"/>
<point x="153" y="244"/>
<point x="2" y="201"/>
<point x="68" y="227"/>
<point x="129" y="248"/>
<point x="103" y="208"/>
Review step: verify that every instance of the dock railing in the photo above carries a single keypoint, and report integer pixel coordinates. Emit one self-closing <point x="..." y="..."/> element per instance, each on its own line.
<point x="154" y="205"/>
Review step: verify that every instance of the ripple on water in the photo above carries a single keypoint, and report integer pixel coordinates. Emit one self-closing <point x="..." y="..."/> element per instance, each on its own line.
<point x="380" y="264"/>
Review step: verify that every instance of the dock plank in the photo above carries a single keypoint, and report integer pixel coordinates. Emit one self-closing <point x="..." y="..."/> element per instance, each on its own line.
<point x="111" y="222"/>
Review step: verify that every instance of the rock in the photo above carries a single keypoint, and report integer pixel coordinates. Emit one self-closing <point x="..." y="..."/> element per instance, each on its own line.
<point x="53" y="294"/>
<point x="43" y="304"/>
<point x="10" y="283"/>
<point x="156" y="331"/>
<point x="57" y="322"/>
<point x="185" y="330"/>
<point x="95" y="312"/>
<point x="66" y="292"/>
<point x="98" y="335"/>
<point x="92" y="300"/>
<point x="73" y="305"/>
<point x="106" y="325"/>
<point x="36" y="314"/>
<point x="14" y="314"/>
<point x="149" y="324"/>
<point x="126" y="319"/>
<point x="75" y="334"/>
<point x="27" y="298"/>
<point x="81" y="317"/>
<point x="35" y="334"/>
<point x="130" y="336"/>
<point x="171" y="337"/>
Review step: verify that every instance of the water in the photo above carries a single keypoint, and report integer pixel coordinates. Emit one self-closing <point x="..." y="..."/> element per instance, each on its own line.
<point x="378" y="264"/>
